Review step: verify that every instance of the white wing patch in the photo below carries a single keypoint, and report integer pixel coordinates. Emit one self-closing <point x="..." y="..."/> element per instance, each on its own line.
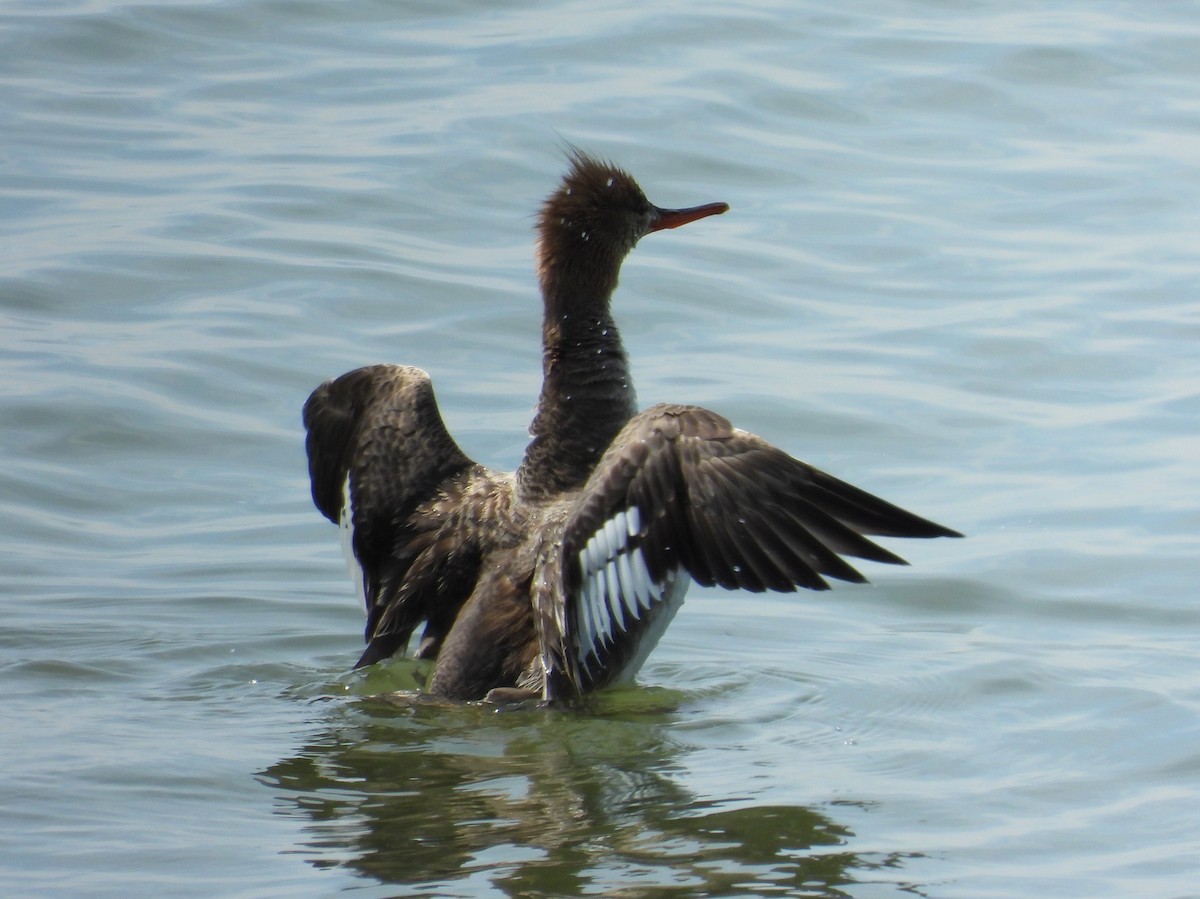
<point x="617" y="594"/>
<point x="674" y="588"/>
<point x="346" y="526"/>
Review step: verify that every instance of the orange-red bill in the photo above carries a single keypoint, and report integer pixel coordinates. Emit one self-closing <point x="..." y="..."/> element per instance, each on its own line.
<point x="673" y="218"/>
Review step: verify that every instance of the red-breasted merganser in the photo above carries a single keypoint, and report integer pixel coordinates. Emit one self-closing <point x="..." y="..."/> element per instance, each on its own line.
<point x="560" y="578"/>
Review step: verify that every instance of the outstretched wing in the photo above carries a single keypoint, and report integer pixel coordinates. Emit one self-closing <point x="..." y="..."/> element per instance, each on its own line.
<point x="681" y="494"/>
<point x="378" y="450"/>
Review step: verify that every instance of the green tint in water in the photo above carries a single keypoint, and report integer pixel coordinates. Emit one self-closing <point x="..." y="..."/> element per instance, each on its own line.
<point x="448" y="798"/>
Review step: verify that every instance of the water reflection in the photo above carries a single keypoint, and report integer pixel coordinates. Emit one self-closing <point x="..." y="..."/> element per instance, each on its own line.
<point x="460" y="800"/>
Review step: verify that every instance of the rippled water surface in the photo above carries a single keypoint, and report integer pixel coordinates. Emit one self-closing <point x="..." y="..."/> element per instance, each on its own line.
<point x="960" y="270"/>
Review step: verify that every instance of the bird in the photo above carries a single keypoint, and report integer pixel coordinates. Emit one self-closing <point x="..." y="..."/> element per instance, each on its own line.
<point x="558" y="579"/>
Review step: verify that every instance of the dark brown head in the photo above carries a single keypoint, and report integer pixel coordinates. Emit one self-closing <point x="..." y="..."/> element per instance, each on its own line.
<point x="592" y="221"/>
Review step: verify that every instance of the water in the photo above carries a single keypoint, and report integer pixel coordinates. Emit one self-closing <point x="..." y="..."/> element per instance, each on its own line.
<point x="960" y="270"/>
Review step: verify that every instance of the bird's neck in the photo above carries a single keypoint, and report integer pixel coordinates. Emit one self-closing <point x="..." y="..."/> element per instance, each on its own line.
<point x="587" y="392"/>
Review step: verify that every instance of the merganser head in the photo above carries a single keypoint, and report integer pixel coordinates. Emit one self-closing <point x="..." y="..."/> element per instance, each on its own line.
<point x="597" y="215"/>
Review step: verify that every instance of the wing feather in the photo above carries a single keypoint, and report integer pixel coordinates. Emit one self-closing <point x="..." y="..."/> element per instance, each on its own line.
<point x="681" y="493"/>
<point x="378" y="451"/>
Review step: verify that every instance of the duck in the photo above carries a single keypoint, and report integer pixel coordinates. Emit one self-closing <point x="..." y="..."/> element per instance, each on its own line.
<point x="558" y="579"/>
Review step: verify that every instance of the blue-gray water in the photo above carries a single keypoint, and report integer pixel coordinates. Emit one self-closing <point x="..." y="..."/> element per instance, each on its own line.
<point x="960" y="270"/>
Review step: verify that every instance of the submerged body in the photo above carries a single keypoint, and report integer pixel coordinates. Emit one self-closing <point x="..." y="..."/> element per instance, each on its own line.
<point x="559" y="579"/>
